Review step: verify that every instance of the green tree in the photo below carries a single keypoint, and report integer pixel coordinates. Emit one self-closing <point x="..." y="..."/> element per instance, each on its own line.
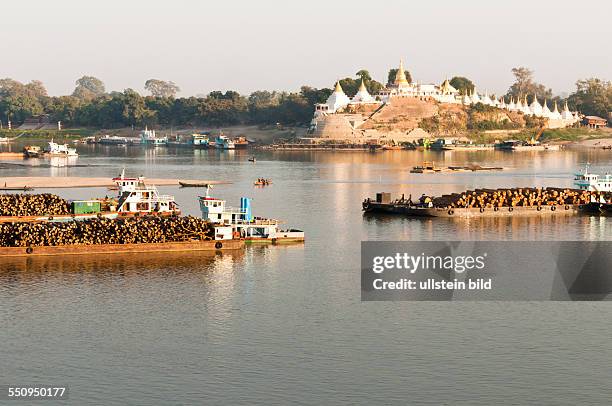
<point x="463" y="84"/>
<point x="161" y="88"/>
<point x="88" y="87"/>
<point x="592" y="97"/>
<point x="525" y="85"/>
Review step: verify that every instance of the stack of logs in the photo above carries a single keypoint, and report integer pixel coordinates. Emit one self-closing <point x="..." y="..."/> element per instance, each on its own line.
<point x="132" y="230"/>
<point x="519" y="197"/>
<point x="33" y="205"/>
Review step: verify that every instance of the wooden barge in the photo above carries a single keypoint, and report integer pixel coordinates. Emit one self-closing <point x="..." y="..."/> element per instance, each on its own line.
<point x="81" y="249"/>
<point x="371" y="206"/>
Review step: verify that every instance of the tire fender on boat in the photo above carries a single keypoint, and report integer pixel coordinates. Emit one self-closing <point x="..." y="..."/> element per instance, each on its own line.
<point x="553" y="208"/>
<point x="510" y="208"/>
<point x="29" y="250"/>
<point x="218" y="245"/>
<point x="482" y="209"/>
<point x="539" y="208"/>
<point x="451" y="212"/>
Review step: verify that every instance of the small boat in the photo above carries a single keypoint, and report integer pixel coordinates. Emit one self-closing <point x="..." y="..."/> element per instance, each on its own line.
<point x="16" y="188"/>
<point x="193" y="184"/>
<point x="54" y="149"/>
<point x="263" y="182"/>
<point x="4" y="139"/>
<point x="252" y="159"/>
<point x="32" y="151"/>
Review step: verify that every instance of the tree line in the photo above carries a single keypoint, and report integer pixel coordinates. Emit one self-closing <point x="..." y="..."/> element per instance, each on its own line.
<point x="90" y="105"/>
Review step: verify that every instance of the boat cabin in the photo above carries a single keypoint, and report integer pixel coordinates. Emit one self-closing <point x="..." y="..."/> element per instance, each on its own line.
<point x="136" y="196"/>
<point x="593" y="182"/>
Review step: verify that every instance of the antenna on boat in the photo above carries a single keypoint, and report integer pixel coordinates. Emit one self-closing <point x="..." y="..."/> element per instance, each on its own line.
<point x="208" y="187"/>
<point x="123" y="173"/>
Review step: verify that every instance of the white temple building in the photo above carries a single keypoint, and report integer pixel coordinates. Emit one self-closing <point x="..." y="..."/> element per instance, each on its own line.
<point x="336" y="101"/>
<point x="444" y="93"/>
<point x="363" y="96"/>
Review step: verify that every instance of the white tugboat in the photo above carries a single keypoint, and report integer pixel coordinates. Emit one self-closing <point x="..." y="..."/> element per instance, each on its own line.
<point x="234" y="223"/>
<point x="136" y="196"/>
<point x="593" y="182"/>
<point x="54" y="149"/>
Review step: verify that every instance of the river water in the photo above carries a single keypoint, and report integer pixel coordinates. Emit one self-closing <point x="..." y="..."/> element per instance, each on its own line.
<point x="285" y="325"/>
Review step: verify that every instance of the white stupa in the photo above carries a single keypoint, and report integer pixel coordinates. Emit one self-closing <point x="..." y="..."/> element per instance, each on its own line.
<point x="526" y="109"/>
<point x="555" y="115"/>
<point x="362" y="96"/>
<point x="502" y="103"/>
<point x="475" y="98"/>
<point x="545" y="110"/>
<point x="536" y="107"/>
<point x="566" y="114"/>
<point x="511" y="106"/>
<point x="466" y="98"/>
<point x="337" y="100"/>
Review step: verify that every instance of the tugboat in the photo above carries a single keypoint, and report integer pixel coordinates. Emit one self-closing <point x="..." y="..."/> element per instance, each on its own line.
<point x="137" y="197"/>
<point x="54" y="149"/>
<point x="601" y="185"/>
<point x="231" y="223"/>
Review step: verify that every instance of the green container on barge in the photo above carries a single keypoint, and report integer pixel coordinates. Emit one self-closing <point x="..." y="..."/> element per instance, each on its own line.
<point x="86" y="206"/>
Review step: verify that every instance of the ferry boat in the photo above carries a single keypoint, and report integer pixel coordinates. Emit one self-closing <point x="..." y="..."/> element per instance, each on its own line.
<point x="231" y="223"/>
<point x="200" y="140"/>
<point x="148" y="137"/>
<point x="54" y="149"/>
<point x="222" y="142"/>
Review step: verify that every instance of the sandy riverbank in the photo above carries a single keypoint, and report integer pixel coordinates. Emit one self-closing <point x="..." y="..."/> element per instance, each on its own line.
<point x="595" y="143"/>
<point x="73" y="182"/>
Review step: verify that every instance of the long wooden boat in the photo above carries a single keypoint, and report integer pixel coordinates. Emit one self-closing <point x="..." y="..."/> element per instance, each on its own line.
<point x="193" y="184"/>
<point x="80" y="249"/>
<point x="17" y="188"/>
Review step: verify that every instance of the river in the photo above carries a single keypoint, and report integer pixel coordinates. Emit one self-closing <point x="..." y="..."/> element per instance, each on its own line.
<point x="284" y="324"/>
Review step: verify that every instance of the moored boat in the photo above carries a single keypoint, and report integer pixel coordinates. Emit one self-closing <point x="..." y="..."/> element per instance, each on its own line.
<point x="60" y="150"/>
<point x="231" y="223"/>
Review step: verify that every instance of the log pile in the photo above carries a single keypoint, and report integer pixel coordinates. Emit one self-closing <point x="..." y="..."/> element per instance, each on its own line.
<point x="106" y="231"/>
<point x="518" y="197"/>
<point x="33" y="205"/>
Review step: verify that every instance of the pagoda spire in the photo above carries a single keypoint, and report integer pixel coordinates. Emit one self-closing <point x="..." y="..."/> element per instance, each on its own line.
<point x="362" y="87"/>
<point x="400" y="76"/>
<point x="338" y="88"/>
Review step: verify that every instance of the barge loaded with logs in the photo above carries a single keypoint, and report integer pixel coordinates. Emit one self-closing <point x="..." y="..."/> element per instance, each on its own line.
<point x="593" y="196"/>
<point x="143" y="221"/>
<point x="134" y="197"/>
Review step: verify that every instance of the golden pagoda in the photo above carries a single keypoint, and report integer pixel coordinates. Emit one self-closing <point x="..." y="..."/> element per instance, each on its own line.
<point x="400" y="77"/>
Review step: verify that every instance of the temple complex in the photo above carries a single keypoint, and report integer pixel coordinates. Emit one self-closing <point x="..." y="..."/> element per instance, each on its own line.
<point x="342" y="116"/>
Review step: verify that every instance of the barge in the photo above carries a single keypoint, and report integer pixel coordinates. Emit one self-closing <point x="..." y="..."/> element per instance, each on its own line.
<point x="81" y="249"/>
<point x="418" y="210"/>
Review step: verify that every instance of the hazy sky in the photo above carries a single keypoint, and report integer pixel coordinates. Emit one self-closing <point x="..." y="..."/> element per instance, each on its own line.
<point x="247" y="45"/>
